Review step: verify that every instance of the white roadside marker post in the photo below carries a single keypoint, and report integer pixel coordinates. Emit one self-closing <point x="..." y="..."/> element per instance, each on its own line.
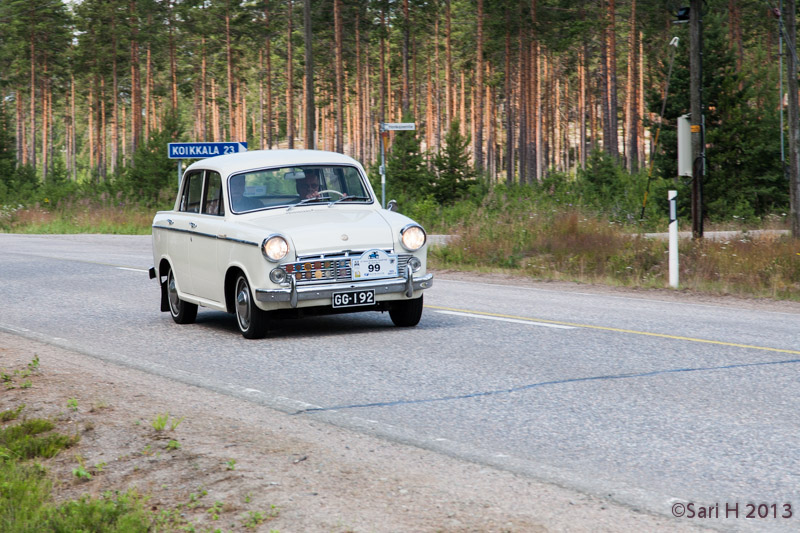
<point x="673" y="238"/>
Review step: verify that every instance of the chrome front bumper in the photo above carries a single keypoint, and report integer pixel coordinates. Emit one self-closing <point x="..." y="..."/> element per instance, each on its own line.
<point x="294" y="294"/>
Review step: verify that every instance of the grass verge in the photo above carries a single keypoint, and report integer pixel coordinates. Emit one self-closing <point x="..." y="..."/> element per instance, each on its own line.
<point x="523" y="237"/>
<point x="36" y="456"/>
<point x="25" y="488"/>
<point x="574" y="246"/>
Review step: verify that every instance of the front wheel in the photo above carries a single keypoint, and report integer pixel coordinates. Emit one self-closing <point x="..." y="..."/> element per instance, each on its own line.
<point x="181" y="312"/>
<point x="252" y="321"/>
<point x="406" y="313"/>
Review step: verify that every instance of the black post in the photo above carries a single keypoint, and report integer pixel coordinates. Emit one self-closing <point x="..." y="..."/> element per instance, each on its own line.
<point x="698" y="133"/>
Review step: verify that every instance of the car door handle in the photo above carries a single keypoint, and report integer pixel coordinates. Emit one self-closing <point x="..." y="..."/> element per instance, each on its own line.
<point x="192" y="225"/>
<point x="170" y="221"/>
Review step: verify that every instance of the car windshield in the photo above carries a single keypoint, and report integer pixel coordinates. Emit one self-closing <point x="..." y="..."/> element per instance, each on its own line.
<point x="290" y="186"/>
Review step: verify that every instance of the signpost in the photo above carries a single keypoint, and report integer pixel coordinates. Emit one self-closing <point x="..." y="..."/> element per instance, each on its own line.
<point x="182" y="151"/>
<point x="386" y="127"/>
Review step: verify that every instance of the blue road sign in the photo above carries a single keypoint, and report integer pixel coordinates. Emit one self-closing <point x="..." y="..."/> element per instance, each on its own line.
<point x="203" y="150"/>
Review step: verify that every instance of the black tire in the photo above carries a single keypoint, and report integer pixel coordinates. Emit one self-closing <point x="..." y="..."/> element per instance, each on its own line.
<point x="406" y="313"/>
<point x="181" y="312"/>
<point x="252" y="321"/>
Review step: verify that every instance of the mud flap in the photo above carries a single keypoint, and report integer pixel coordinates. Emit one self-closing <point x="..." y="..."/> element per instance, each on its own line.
<point x="164" y="296"/>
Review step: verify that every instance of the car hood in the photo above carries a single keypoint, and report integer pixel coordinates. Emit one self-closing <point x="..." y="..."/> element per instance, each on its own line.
<point x="320" y="229"/>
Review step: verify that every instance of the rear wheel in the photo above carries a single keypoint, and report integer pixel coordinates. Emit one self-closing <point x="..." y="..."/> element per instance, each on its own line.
<point x="252" y="321"/>
<point x="182" y="312"/>
<point x="406" y="313"/>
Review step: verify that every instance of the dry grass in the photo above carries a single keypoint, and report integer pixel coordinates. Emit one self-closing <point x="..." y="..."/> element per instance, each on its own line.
<point x="576" y="247"/>
<point x="83" y="216"/>
<point x="766" y="266"/>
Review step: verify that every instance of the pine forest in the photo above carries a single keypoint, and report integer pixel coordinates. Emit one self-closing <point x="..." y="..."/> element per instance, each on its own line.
<point x="536" y="91"/>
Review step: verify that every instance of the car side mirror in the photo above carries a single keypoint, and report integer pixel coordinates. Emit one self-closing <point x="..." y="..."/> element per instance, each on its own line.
<point x="392" y="205"/>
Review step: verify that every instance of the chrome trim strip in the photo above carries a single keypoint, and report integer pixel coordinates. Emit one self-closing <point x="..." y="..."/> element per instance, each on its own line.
<point x="294" y="294"/>
<point x="200" y="234"/>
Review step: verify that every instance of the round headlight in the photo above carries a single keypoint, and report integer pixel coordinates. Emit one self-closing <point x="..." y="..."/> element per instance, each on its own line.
<point x="275" y="248"/>
<point x="413" y="237"/>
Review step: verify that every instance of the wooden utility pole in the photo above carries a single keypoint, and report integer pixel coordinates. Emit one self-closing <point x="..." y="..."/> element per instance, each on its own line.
<point x="696" y="100"/>
<point x="794" y="118"/>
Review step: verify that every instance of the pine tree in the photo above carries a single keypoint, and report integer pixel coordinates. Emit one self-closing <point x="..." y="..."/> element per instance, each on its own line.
<point x="743" y="167"/>
<point x="454" y="174"/>
<point x="407" y="174"/>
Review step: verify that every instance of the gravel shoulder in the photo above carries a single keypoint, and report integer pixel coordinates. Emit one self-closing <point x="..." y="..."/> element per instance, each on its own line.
<point x="237" y="459"/>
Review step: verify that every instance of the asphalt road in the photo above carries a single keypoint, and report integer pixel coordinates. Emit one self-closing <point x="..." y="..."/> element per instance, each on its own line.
<point x="654" y="403"/>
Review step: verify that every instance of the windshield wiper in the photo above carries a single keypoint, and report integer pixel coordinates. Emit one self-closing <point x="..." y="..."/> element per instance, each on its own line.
<point x="344" y="198"/>
<point x="306" y="201"/>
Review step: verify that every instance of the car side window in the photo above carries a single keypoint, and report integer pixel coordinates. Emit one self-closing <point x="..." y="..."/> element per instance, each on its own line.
<point x="213" y="201"/>
<point x="192" y="192"/>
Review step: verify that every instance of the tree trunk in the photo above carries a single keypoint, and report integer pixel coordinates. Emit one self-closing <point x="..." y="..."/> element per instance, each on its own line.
<point x="523" y="95"/>
<point x="22" y="148"/>
<point x="101" y="132"/>
<point x="508" y="107"/>
<point x="136" y="89"/>
<point x="203" y="93"/>
<point x="640" y="103"/>
<point x="173" y="62"/>
<point x="632" y="102"/>
<point x="612" y="144"/>
<point x="309" y="67"/>
<point x="73" y="137"/>
<point x="148" y="87"/>
<point x="437" y="91"/>
<point x="32" y="135"/>
<point x="448" y="71"/>
<point x="463" y="104"/>
<point x="383" y="66"/>
<point x="229" y="67"/>
<point x="582" y="105"/>
<point x="429" y="106"/>
<point x="359" y="87"/>
<point x="537" y="149"/>
<point x="114" y="99"/>
<point x="45" y="117"/>
<point x="215" y="130"/>
<point x="90" y="129"/>
<point x="289" y="78"/>
<point x="406" y="44"/>
<point x="389" y="95"/>
<point x="478" y="103"/>
<point x="268" y="73"/>
<point x="337" y="23"/>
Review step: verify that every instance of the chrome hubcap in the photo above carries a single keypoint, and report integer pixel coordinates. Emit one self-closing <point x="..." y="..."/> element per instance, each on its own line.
<point x="243" y="304"/>
<point x="172" y="293"/>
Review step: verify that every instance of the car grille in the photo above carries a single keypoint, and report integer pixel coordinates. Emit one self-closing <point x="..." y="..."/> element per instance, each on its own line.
<point x="332" y="268"/>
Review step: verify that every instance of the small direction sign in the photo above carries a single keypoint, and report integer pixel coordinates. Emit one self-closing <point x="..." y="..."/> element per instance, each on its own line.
<point x="203" y="150"/>
<point x="398" y="126"/>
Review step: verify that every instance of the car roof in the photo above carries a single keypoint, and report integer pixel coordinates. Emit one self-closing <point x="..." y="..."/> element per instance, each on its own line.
<point x="255" y="159"/>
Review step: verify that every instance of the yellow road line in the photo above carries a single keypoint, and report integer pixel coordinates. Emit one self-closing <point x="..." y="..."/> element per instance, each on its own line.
<point x="618" y="330"/>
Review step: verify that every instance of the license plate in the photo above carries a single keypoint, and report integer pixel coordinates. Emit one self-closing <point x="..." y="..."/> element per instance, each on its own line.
<point x="353" y="298"/>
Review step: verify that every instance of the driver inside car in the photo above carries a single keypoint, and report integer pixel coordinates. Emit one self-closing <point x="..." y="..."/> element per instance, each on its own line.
<point x="309" y="186"/>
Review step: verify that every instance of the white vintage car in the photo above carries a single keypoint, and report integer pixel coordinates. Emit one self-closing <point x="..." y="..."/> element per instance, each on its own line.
<point x="285" y="233"/>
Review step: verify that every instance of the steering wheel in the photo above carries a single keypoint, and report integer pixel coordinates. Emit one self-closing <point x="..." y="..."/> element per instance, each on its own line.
<point x="320" y="193"/>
